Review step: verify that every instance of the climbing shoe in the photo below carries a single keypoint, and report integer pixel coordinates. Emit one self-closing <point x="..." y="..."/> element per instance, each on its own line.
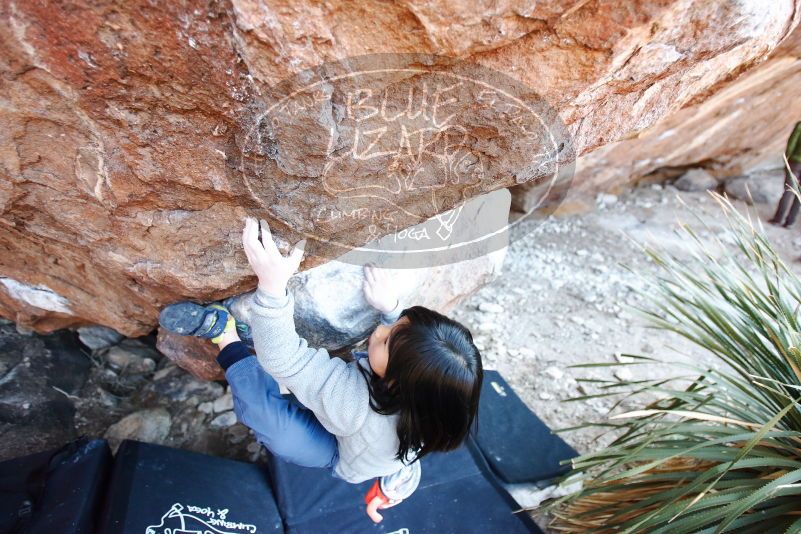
<point x="190" y="319"/>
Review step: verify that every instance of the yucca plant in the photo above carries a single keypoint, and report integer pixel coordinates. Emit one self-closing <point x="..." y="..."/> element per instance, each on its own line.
<point x="720" y="450"/>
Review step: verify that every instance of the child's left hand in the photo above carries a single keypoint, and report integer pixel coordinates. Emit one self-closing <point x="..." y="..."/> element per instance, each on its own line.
<point x="379" y="289"/>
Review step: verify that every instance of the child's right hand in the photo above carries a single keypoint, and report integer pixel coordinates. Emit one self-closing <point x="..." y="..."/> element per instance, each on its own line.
<point x="271" y="267"/>
<point x="379" y="289"/>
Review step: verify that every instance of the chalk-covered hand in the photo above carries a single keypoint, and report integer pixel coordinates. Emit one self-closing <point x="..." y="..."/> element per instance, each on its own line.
<point x="272" y="268"/>
<point x="379" y="289"/>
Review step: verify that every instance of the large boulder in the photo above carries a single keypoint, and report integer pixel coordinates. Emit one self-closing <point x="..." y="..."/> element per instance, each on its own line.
<point x="740" y="129"/>
<point x="137" y="135"/>
<point x="330" y="309"/>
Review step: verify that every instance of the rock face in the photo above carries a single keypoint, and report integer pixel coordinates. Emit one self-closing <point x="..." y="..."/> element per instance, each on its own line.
<point x="137" y="135"/>
<point x="741" y="128"/>
<point x="330" y="309"/>
<point x="40" y="377"/>
<point x="191" y="353"/>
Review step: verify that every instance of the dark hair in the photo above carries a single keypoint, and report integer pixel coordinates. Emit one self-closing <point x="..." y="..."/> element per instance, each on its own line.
<point x="433" y="380"/>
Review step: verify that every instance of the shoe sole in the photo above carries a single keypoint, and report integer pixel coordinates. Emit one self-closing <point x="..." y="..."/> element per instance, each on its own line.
<point x="183" y="318"/>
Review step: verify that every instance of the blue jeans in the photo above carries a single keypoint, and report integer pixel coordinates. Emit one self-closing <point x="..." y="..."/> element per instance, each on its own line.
<point x="287" y="429"/>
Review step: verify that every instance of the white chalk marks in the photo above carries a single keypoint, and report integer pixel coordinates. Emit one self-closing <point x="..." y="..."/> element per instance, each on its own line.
<point x="38" y="296"/>
<point x="381" y="143"/>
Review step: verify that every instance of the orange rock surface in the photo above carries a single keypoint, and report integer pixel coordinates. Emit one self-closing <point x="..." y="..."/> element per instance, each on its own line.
<point x="126" y="126"/>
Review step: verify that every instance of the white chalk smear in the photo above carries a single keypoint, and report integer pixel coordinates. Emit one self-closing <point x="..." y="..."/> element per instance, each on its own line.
<point x="38" y="296"/>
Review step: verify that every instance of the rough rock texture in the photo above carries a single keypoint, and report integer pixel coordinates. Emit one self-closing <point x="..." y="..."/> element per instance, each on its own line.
<point x="98" y="337"/>
<point x="764" y="187"/>
<point x="149" y="426"/>
<point x="131" y="356"/>
<point x="127" y="154"/>
<point x="330" y="310"/>
<point x="742" y="128"/>
<point x="39" y="378"/>
<point x="696" y="180"/>
<point x="334" y="322"/>
<point x="191" y="353"/>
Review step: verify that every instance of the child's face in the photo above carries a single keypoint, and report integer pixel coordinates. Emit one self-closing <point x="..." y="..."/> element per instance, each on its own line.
<point x="378" y="346"/>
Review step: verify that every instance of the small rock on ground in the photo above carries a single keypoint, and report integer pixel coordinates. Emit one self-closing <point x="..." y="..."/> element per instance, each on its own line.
<point x="696" y="180"/>
<point x="490" y="307"/>
<point x="178" y="386"/>
<point x="97" y="337"/>
<point x="755" y="189"/>
<point x="224" y="403"/>
<point x="224" y="420"/>
<point x="605" y="199"/>
<point x="150" y="426"/>
<point x="123" y="358"/>
<point x="554" y="372"/>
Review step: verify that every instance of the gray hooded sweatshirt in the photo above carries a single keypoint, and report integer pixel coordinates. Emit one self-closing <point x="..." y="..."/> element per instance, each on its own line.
<point x="334" y="390"/>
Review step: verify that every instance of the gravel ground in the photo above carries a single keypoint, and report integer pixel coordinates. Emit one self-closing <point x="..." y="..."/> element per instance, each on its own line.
<point x="568" y="296"/>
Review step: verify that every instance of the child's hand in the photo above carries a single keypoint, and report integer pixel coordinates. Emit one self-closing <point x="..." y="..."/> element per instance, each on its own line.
<point x="376" y="500"/>
<point x="372" y="509"/>
<point x="378" y="289"/>
<point x="273" y="269"/>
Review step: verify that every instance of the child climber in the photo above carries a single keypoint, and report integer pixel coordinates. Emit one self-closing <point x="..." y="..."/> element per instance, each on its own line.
<point x="415" y="390"/>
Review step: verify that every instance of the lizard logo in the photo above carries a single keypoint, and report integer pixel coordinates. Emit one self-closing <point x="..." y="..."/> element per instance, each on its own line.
<point x="196" y="520"/>
<point x="398" y="145"/>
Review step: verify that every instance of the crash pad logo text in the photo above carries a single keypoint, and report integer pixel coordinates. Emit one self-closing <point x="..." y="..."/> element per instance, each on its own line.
<point x="195" y="519"/>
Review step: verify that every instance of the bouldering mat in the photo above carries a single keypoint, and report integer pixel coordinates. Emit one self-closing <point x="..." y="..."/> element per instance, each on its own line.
<point x="158" y="490"/>
<point x="59" y="490"/>
<point x="515" y="443"/>
<point x="454" y="495"/>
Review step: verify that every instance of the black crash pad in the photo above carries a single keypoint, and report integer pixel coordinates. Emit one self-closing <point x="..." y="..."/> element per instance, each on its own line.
<point x="156" y="490"/>
<point x="453" y="496"/>
<point x="59" y="490"/>
<point x="515" y="443"/>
